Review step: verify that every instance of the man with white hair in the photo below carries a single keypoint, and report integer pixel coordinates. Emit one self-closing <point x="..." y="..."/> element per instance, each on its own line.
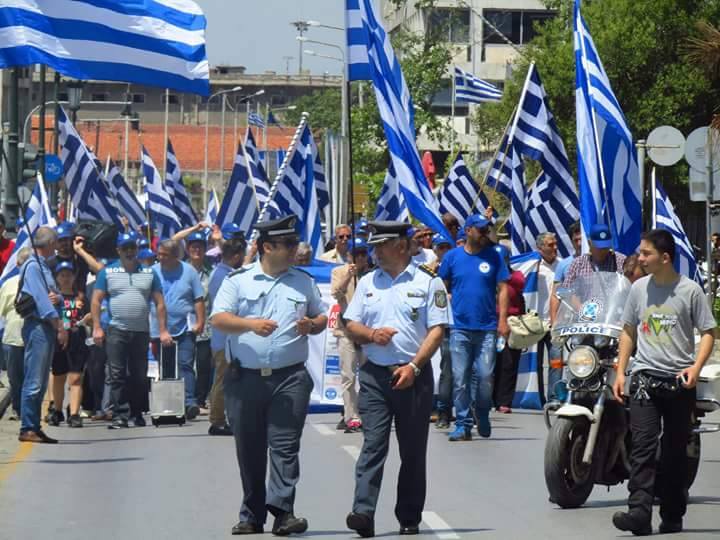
<point x="547" y="246"/>
<point x="339" y="254"/>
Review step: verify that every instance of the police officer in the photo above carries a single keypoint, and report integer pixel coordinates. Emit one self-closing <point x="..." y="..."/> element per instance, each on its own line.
<point x="398" y="314"/>
<point x="268" y="309"/>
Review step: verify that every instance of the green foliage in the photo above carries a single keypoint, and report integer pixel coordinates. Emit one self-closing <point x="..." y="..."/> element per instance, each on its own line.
<point x="324" y="107"/>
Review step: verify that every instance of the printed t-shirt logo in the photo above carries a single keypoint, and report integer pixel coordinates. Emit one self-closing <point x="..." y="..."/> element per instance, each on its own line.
<point x="484" y="267"/>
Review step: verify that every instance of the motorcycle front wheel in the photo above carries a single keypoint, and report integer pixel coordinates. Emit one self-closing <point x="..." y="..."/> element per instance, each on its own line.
<point x="568" y="479"/>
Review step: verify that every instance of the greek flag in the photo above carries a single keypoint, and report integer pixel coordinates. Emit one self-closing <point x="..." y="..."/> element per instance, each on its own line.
<point x="664" y="217"/>
<point x="175" y="187"/>
<point x="547" y="209"/>
<point x="271" y="120"/>
<point x="125" y="197"/>
<point x="371" y="56"/>
<point x="37" y="214"/>
<point x="159" y="205"/>
<point x="83" y="177"/>
<point x="239" y="204"/>
<point x="254" y="119"/>
<point x="508" y="177"/>
<point x="152" y="42"/>
<point x="212" y="209"/>
<point x="297" y="194"/>
<point x="460" y="193"/>
<point x="472" y="89"/>
<point x="259" y="177"/>
<point x="608" y="172"/>
<point x="321" y="186"/>
<point x="527" y="395"/>
<point x="391" y="205"/>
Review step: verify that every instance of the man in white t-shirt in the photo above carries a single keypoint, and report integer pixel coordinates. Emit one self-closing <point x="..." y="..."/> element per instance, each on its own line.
<point x="548" y="248"/>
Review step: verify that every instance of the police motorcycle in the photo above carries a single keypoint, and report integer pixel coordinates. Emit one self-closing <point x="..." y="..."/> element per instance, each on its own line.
<point x="589" y="438"/>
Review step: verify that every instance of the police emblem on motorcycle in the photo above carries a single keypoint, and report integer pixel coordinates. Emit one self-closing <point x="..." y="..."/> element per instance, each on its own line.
<point x="590" y="310"/>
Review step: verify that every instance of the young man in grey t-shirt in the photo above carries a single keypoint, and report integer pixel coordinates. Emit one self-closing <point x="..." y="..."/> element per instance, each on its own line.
<point x="662" y="312"/>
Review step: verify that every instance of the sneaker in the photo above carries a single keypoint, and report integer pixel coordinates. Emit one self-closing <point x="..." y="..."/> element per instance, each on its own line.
<point x="341" y="425"/>
<point x="75" y="421"/>
<point x="287" y="524"/>
<point x="627" y="521"/>
<point x="483" y="423"/>
<point x="118" y="423"/>
<point x="670" y="527"/>
<point x="191" y="412"/>
<point x="139" y="421"/>
<point x="461" y="433"/>
<point x="56" y="418"/>
<point x="84" y="414"/>
<point x="443" y="421"/>
<point x="353" y="426"/>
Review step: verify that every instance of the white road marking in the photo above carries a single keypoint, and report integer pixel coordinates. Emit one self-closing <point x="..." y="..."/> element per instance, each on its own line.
<point x="441" y="528"/>
<point x="324" y="429"/>
<point x="354" y="451"/>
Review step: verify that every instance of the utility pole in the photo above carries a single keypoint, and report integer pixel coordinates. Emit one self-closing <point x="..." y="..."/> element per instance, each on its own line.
<point x="287" y="64"/>
<point x="11" y="200"/>
<point x="41" y="132"/>
<point x="302" y="27"/>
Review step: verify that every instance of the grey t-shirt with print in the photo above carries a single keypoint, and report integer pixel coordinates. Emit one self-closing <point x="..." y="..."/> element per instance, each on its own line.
<point x="665" y="318"/>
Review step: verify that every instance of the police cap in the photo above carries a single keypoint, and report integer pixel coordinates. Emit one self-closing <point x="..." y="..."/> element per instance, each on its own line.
<point x="278" y="228"/>
<point x="382" y="231"/>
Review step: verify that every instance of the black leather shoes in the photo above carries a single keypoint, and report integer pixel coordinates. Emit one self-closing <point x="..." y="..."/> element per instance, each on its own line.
<point x="361" y="524"/>
<point x="223" y="430"/>
<point x="628" y="521"/>
<point x="245" y="527"/>
<point x="669" y="527"/>
<point x="409" y="529"/>
<point x="287" y="524"/>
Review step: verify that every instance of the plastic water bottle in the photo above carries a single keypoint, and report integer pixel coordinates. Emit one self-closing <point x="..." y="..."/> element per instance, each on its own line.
<point x="500" y="344"/>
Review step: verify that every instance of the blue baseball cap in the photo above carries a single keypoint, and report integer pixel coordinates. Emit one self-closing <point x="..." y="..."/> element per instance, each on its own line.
<point x="197" y="236"/>
<point x="126" y="238"/>
<point x="66" y="229"/>
<point x="143" y="242"/>
<point x="146" y="254"/>
<point x="600" y="236"/>
<point x="64" y="265"/>
<point x="476" y="220"/>
<point x="439" y="240"/>
<point x="359" y="244"/>
<point x="230" y="230"/>
<point x="361" y="226"/>
<point x="460" y="235"/>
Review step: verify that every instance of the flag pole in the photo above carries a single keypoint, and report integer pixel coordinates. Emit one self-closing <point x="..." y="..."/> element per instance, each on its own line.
<point x="348" y="144"/>
<point x="265" y="132"/>
<point x="653" y="187"/>
<point x="452" y="113"/>
<point x="165" y="132"/>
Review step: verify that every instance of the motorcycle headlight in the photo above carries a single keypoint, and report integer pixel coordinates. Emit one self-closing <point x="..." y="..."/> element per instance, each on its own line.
<point x="583" y="362"/>
<point x="601" y="341"/>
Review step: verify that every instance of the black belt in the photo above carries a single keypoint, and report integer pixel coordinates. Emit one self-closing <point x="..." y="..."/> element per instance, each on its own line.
<point x="268" y="372"/>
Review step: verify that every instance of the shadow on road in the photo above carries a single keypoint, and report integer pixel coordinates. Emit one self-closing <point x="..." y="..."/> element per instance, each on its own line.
<point x="84" y="461"/>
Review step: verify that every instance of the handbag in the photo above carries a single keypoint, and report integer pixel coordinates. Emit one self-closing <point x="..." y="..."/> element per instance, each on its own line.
<point x="24" y="303"/>
<point x="526" y="330"/>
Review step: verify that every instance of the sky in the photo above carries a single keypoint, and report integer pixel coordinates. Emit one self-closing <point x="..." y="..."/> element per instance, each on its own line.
<point x="257" y="33"/>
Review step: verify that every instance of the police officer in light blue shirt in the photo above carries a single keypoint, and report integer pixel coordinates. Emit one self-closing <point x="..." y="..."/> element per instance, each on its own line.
<point x="268" y="309"/>
<point x="398" y="314"/>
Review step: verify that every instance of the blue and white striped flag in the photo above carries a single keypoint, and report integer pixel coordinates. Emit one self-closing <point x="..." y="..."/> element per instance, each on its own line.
<point x="159" y="205"/>
<point x="83" y="177"/>
<point x="460" y="192"/>
<point x="125" y="197"/>
<point x="472" y="89"/>
<point x="239" y="204"/>
<point x="548" y="209"/>
<point x="259" y="177"/>
<point x="297" y="194"/>
<point x="155" y="43"/>
<point x="254" y="119"/>
<point x="391" y="205"/>
<point x="364" y="31"/>
<point x="508" y="177"/>
<point x="211" y="213"/>
<point x="176" y="189"/>
<point x="527" y="395"/>
<point x="608" y="172"/>
<point x="666" y="218"/>
<point x="321" y="186"/>
<point x="37" y="214"/>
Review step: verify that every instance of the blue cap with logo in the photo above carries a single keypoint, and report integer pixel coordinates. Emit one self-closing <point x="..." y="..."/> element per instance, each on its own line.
<point x="439" y="240"/>
<point x="476" y="220"/>
<point x="230" y="230"/>
<point x="146" y="254"/>
<point x="361" y="226"/>
<point x="66" y="229"/>
<point x="600" y="236"/>
<point x="197" y="236"/>
<point x="64" y="265"/>
<point x="143" y="242"/>
<point x="126" y="238"/>
<point x="359" y="244"/>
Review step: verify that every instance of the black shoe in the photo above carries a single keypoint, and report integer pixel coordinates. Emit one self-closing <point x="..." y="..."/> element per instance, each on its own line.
<point x="245" y="527"/>
<point x="341" y="425"/>
<point x="191" y="412"/>
<point x="361" y="524"/>
<point x="220" y="430"/>
<point x="409" y="529"/>
<point x="56" y="418"/>
<point x="75" y="421"/>
<point x="45" y="438"/>
<point x="50" y="412"/>
<point x="443" y="421"/>
<point x="627" y="521"/>
<point x="669" y="527"/>
<point x="139" y="421"/>
<point x="118" y="423"/>
<point x="287" y="524"/>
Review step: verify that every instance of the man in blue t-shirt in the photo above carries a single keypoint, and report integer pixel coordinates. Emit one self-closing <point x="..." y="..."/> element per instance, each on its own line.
<point x="185" y="300"/>
<point x="476" y="276"/>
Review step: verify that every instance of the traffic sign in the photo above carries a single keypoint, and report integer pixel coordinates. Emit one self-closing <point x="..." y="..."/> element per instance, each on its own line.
<point x="666" y="145"/>
<point x="696" y="149"/>
<point x="53" y="168"/>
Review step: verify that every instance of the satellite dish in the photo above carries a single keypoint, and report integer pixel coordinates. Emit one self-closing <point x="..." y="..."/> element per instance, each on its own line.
<point x="24" y="194"/>
<point x="666" y="145"/>
<point x="696" y="149"/>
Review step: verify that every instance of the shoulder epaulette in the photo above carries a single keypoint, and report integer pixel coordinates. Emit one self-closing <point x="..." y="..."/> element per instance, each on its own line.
<point x="236" y="272"/>
<point x="429" y="271"/>
<point x="303" y="271"/>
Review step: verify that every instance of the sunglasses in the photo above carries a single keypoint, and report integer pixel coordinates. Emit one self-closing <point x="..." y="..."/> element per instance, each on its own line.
<point x="343" y="237"/>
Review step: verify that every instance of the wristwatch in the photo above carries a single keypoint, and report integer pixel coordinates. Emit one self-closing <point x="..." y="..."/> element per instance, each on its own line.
<point x="416" y="369"/>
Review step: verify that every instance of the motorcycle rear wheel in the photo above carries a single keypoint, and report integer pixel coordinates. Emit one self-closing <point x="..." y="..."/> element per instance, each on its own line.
<point x="568" y="479"/>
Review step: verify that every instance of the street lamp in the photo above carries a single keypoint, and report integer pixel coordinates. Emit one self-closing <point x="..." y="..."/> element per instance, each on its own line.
<point x="74" y="89"/>
<point x="207" y="132"/>
<point x="302" y="27"/>
<point x="318" y="24"/>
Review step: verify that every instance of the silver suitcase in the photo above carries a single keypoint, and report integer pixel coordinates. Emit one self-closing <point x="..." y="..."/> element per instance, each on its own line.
<point x="167" y="396"/>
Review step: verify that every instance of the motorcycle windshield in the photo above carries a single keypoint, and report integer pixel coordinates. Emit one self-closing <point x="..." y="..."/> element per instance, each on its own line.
<point x="597" y="300"/>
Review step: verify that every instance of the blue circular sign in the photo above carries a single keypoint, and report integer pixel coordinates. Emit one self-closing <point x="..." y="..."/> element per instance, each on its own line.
<point x="53" y="168"/>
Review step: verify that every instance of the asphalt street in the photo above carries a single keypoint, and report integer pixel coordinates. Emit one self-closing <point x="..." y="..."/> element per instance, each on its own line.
<point x="179" y="483"/>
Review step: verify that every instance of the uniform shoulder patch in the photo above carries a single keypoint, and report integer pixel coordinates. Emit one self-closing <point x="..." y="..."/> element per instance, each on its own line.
<point x="429" y="271"/>
<point x="238" y="271"/>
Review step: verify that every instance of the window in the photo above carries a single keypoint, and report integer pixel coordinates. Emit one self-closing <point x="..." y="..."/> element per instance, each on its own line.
<point x="99" y="96"/>
<point x="138" y="98"/>
<point x="517" y="26"/>
<point x="454" y="24"/>
<point x="173" y="99"/>
<point x="442" y="102"/>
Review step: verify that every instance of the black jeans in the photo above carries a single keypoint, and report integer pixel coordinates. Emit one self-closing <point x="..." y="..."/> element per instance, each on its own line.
<point x="127" y="356"/>
<point x="204" y="370"/>
<point x="675" y="412"/>
<point x="445" y="382"/>
<point x="506" y="374"/>
<point x="95" y="371"/>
